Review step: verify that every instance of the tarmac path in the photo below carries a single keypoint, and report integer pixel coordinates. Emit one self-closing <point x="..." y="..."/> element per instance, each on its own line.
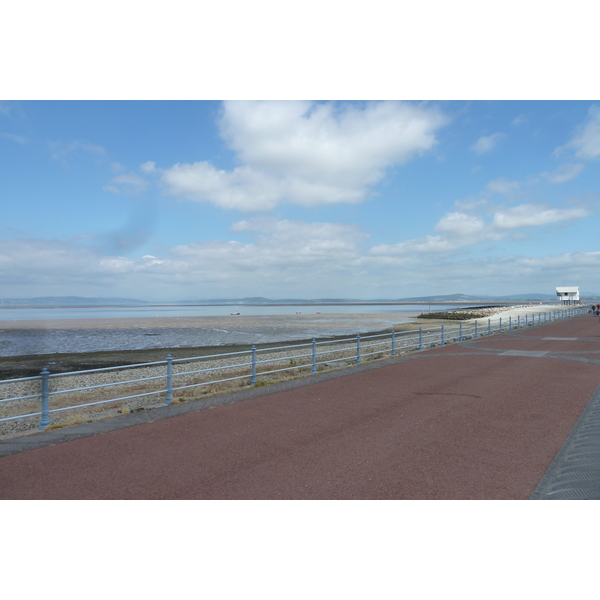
<point x="482" y="419"/>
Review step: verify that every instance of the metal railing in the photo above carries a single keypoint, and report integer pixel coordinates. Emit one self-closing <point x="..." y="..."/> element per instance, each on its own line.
<point x="303" y="359"/>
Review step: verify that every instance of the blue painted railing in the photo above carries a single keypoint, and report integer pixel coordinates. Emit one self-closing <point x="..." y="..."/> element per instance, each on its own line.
<point x="359" y="347"/>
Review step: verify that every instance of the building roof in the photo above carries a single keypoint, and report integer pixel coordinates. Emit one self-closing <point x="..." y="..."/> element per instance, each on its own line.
<point x="573" y="290"/>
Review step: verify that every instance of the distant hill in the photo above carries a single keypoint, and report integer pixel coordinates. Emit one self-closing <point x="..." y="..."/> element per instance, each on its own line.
<point x="509" y="298"/>
<point x="445" y="298"/>
<point x="67" y="301"/>
<point x="449" y="298"/>
<point x="261" y="300"/>
<point x="529" y="297"/>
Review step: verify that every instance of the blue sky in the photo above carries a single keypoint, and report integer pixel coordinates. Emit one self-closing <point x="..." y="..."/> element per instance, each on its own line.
<point x="168" y="200"/>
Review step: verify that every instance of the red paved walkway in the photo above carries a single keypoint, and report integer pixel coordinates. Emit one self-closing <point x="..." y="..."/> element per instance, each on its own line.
<point x="460" y="422"/>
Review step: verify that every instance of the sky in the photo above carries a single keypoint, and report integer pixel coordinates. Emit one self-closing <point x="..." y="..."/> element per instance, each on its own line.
<point x="449" y="148"/>
<point x="179" y="200"/>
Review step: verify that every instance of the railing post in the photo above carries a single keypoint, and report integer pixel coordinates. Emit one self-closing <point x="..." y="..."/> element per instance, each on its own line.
<point x="518" y="321"/>
<point x="253" y="380"/>
<point x="509" y="323"/>
<point x="442" y="335"/>
<point x="357" y="361"/>
<point x="314" y="356"/>
<point x="45" y="419"/>
<point x="420" y="338"/>
<point x="489" y="326"/>
<point x="460" y="332"/>
<point x="475" y="335"/>
<point x="169" y="380"/>
<point x="393" y="343"/>
<point x="500" y="325"/>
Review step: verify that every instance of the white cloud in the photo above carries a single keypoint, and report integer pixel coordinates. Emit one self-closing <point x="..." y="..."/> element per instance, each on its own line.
<point x="461" y="224"/>
<point x="291" y="258"/>
<point x="534" y="215"/>
<point x="470" y="204"/>
<point x="307" y="153"/>
<point x="20" y="139"/>
<point x="148" y="167"/>
<point x="283" y="244"/>
<point x="129" y="183"/>
<point x="242" y="188"/>
<point x="487" y="143"/>
<point x="587" y="140"/>
<point x="60" y="151"/>
<point x="503" y="186"/>
<point x="504" y="275"/>
<point x="283" y="255"/>
<point x="461" y="230"/>
<point x="431" y="244"/>
<point x="565" y="173"/>
<point x="117" y="167"/>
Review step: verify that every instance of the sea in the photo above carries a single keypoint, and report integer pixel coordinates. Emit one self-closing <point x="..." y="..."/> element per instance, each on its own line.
<point x="275" y="324"/>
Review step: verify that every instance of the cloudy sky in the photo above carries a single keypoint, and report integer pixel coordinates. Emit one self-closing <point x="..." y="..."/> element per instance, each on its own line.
<point x="168" y="200"/>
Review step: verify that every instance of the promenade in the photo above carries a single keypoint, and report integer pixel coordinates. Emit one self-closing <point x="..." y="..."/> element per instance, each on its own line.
<point x="491" y="418"/>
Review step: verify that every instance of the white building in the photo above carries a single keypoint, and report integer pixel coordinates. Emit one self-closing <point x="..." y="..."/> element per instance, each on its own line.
<point x="568" y="295"/>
